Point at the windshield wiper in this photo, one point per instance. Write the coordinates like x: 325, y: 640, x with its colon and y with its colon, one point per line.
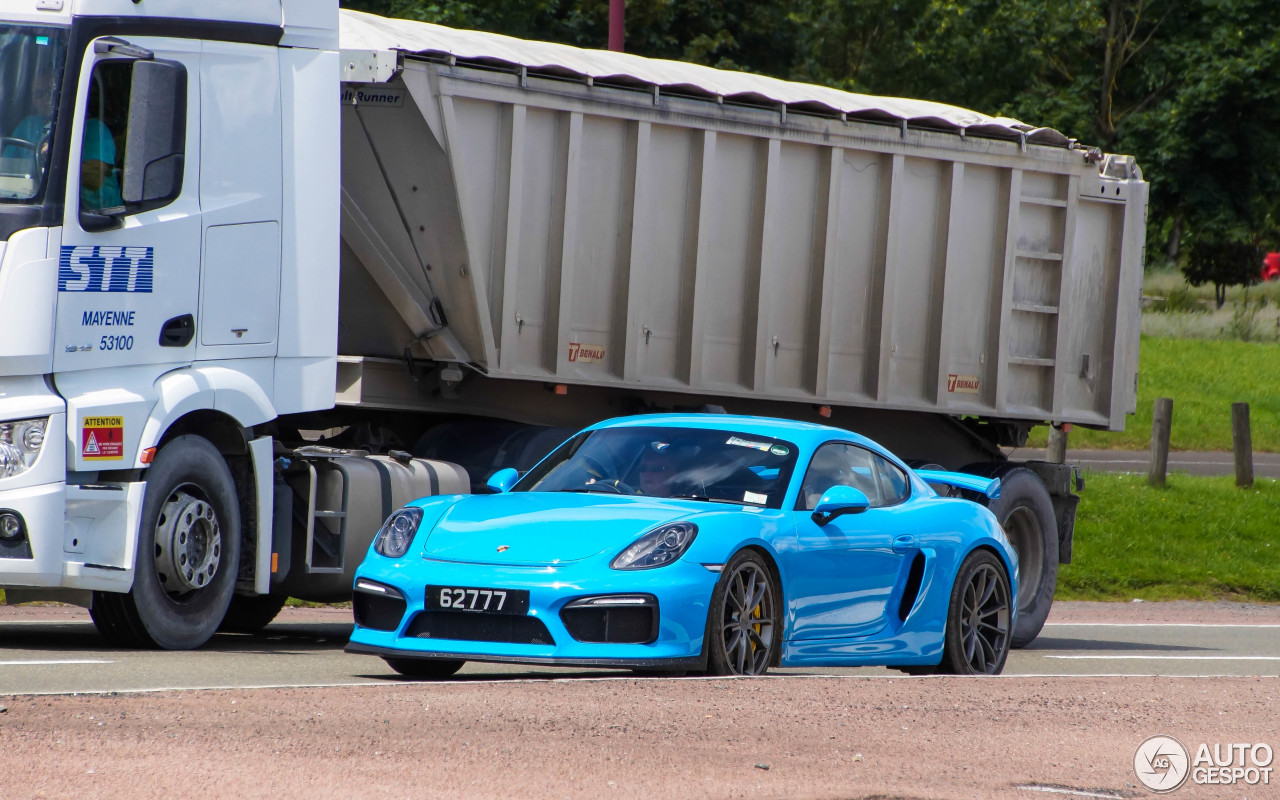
x: 594, y: 488
x: 704, y: 499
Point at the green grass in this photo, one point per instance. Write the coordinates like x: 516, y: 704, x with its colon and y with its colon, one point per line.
x: 1196, y: 539
x: 1204, y: 378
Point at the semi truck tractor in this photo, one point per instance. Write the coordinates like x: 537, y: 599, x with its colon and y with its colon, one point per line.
x: 269, y: 270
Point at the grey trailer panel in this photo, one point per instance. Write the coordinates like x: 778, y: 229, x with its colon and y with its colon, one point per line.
x: 580, y: 234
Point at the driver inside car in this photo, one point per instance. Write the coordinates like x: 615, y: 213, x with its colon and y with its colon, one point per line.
x: 656, y: 469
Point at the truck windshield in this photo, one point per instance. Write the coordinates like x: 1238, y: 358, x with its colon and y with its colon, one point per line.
x: 31, y: 62
x: 725, y: 466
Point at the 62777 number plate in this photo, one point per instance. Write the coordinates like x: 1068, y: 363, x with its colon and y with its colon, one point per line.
x: 479, y: 599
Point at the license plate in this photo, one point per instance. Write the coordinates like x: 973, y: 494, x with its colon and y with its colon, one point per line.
x: 478, y: 599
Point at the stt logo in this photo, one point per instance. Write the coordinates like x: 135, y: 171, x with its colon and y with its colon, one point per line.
x: 97, y: 268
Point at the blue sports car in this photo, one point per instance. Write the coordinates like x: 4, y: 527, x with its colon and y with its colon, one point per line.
x: 703, y: 542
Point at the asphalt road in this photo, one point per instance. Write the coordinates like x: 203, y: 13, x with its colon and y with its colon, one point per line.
x: 1265, y: 465
x: 63, y: 654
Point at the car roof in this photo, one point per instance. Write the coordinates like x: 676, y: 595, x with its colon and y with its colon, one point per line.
x: 808, y: 434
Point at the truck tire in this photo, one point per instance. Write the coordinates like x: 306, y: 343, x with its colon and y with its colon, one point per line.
x: 1025, y: 511
x: 251, y: 614
x: 188, y: 553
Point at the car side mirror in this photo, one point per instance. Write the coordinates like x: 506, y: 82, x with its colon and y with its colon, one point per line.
x: 838, y: 501
x: 155, y: 147
x: 502, y: 480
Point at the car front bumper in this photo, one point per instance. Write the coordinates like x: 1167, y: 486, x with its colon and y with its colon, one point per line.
x: 682, y: 591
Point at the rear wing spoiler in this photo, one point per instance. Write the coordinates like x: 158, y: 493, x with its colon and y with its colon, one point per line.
x: 962, y: 480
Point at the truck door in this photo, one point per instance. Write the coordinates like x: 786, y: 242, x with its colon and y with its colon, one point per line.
x: 241, y: 195
x: 129, y: 272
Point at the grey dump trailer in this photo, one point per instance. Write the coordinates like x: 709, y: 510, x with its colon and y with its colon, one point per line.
x: 535, y: 235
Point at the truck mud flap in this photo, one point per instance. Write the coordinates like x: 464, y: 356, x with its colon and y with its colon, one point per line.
x: 1061, y: 480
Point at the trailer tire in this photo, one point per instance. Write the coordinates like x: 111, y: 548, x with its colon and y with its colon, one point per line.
x: 188, y: 553
x: 251, y: 614
x: 1025, y: 511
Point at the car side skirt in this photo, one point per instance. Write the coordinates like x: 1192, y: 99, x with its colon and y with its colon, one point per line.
x: 691, y: 662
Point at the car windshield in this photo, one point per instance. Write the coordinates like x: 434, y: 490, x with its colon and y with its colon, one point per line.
x: 694, y: 463
x: 31, y: 61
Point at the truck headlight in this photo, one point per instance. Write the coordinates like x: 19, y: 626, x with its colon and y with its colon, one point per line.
x: 20, y: 443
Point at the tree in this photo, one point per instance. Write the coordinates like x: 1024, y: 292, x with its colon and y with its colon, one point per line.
x: 1222, y: 263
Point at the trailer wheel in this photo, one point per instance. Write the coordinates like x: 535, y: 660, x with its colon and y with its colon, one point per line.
x: 251, y: 614
x: 1025, y: 511
x: 188, y: 553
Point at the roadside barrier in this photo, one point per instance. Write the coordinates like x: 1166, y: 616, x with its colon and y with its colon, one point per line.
x: 1241, y: 443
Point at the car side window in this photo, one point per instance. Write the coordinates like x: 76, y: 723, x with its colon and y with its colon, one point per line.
x: 894, y: 487
x: 839, y: 465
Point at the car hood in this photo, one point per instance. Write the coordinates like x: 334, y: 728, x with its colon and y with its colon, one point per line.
x: 546, y: 528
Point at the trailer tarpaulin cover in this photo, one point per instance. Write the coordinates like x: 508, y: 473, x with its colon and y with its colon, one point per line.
x: 362, y: 31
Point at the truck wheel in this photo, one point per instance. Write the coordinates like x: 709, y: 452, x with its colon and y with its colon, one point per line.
x: 251, y: 614
x: 1025, y: 511
x: 188, y: 553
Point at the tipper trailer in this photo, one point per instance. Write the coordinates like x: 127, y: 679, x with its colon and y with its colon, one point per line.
x: 270, y: 270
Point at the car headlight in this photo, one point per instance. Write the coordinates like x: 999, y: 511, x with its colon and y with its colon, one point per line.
x: 396, y: 534
x: 657, y: 547
x: 20, y: 443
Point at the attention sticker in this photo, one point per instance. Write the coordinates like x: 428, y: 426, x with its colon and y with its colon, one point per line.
x: 102, y: 439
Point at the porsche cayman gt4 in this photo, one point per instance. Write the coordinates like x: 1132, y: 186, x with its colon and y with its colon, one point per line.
x: 715, y: 543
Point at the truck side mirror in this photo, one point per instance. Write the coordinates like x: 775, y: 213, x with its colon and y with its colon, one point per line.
x: 155, y: 147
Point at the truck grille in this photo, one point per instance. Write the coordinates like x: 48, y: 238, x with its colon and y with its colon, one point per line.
x: 472, y: 627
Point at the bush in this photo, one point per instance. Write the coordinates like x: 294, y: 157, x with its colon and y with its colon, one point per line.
x: 1180, y: 300
x: 1244, y: 323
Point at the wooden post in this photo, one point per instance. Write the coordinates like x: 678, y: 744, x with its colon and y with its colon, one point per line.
x: 1242, y: 444
x: 617, y: 24
x: 1057, y: 444
x: 1161, y: 423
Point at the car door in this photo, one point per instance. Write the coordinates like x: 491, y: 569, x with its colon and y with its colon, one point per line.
x: 845, y: 572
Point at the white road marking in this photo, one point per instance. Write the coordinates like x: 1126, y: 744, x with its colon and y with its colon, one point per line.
x: 1158, y: 625
x: 1073, y: 792
x: 480, y: 679
x: 1171, y: 658
x: 54, y: 663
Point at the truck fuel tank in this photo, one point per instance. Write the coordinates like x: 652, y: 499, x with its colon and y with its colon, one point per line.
x: 331, y: 502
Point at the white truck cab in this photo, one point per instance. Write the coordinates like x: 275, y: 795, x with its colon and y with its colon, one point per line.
x: 168, y: 281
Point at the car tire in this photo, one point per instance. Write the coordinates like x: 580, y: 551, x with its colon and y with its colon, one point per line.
x: 251, y: 614
x: 428, y: 669
x: 744, y: 622
x: 978, y: 632
x: 1025, y: 512
x: 190, y: 516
